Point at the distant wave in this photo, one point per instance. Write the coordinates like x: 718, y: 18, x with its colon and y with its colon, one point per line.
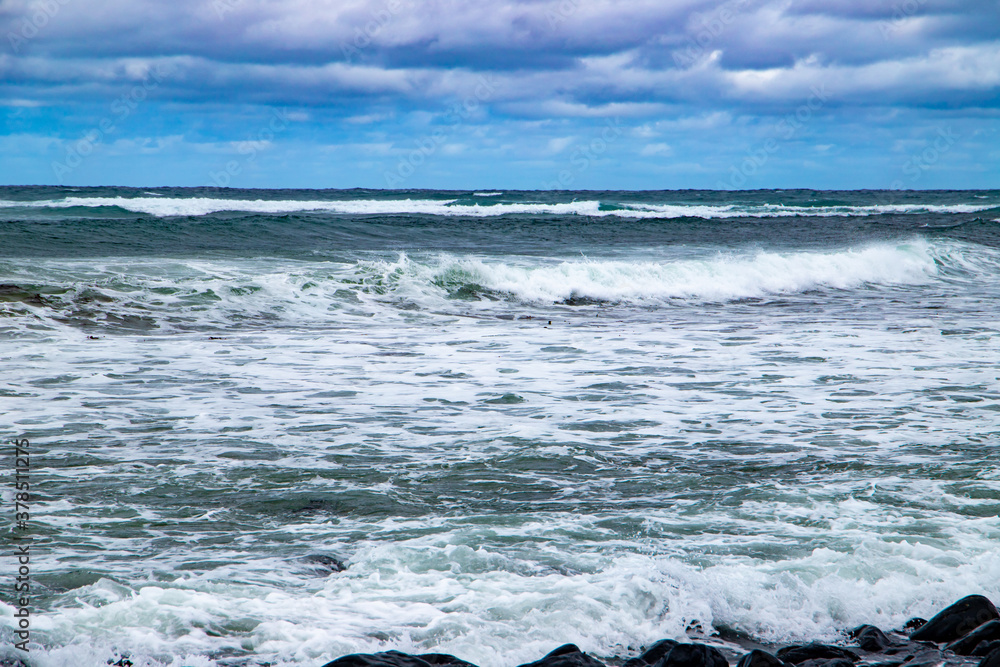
x: 198, y: 206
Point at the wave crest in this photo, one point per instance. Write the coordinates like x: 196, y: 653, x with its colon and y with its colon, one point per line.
x: 723, y: 277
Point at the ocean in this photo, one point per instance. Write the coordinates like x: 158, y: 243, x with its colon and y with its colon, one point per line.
x: 518, y: 419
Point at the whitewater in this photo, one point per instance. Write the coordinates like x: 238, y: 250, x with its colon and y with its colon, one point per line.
x: 516, y: 419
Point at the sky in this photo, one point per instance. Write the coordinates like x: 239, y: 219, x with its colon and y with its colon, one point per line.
x: 525, y: 94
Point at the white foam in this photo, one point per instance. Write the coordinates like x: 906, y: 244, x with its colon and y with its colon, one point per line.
x: 496, y: 609
x: 716, y: 278
x: 197, y: 206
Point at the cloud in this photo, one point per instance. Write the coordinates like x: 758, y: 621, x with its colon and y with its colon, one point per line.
x: 660, y: 149
x: 682, y: 76
x: 551, y: 58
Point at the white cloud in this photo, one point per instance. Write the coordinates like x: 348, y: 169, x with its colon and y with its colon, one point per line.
x: 559, y: 144
x: 662, y: 150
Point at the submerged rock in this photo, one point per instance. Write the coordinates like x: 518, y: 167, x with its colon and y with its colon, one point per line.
x: 567, y: 655
x: 758, y: 658
x: 957, y: 620
x: 987, y: 632
x: 800, y: 653
x: 325, y: 562
x: 693, y: 655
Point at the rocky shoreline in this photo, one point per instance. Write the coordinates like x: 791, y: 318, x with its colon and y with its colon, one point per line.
x: 965, y: 634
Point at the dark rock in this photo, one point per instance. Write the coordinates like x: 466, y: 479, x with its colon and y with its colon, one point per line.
x: 693, y: 655
x: 824, y: 662
x: 992, y: 660
x: 325, y: 562
x: 444, y: 660
x: 396, y: 659
x: 957, y: 620
x: 567, y: 655
x: 927, y: 657
x: 800, y: 653
x: 565, y: 649
x: 986, y: 648
x: 914, y: 624
x: 869, y: 638
x: 652, y: 655
x: 758, y: 658
x: 989, y: 631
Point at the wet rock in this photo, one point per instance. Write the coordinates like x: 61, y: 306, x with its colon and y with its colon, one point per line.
x: 823, y: 662
x: 693, y: 655
x: 914, y: 624
x: 397, y: 659
x: 444, y: 660
x: 758, y: 658
x: 653, y: 654
x: 800, y: 653
x: 957, y: 620
x: 567, y: 655
x: 987, y: 632
x: 926, y: 657
x: 869, y: 638
x: 986, y: 648
x: 991, y: 660
x: 565, y: 649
